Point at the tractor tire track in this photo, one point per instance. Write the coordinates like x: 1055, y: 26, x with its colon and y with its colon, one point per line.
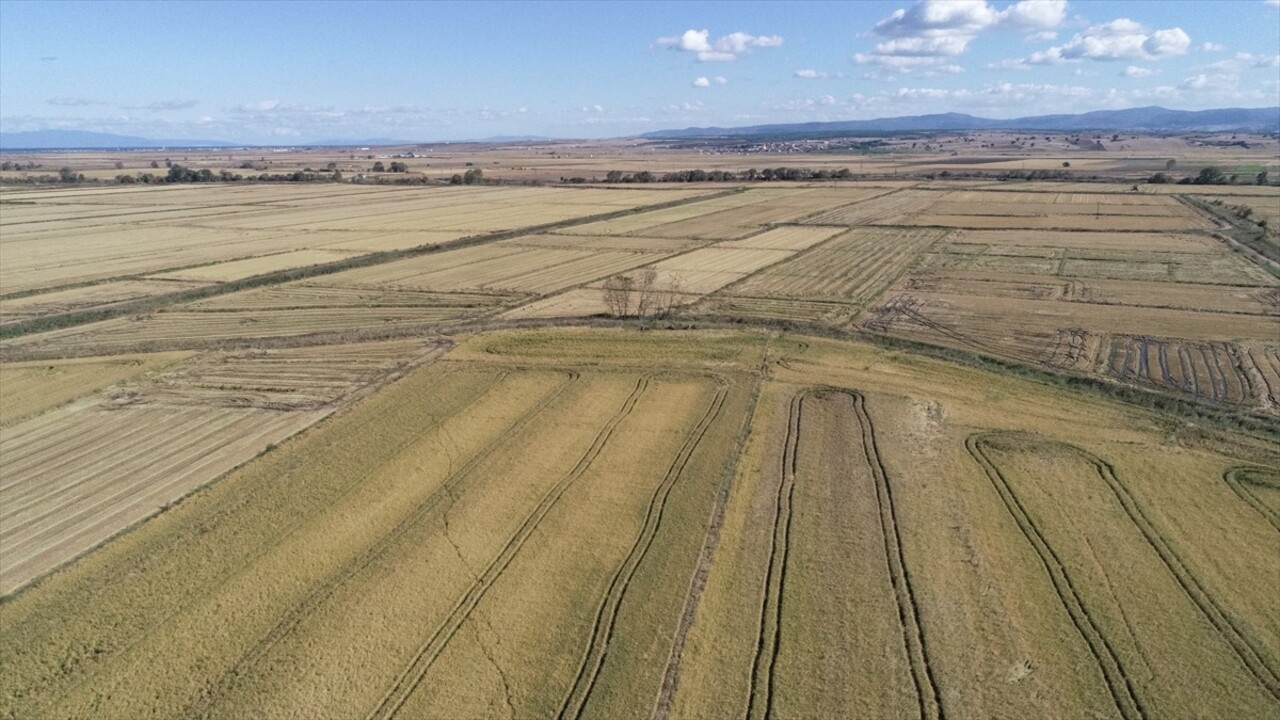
x: 1236, y: 478
x: 926, y: 686
x: 711, y: 541
x: 243, y: 667
x: 760, y: 697
x: 1125, y: 696
x: 606, y: 617
x: 411, y: 677
x: 1249, y: 655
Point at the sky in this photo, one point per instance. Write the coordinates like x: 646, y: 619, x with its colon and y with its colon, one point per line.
x: 285, y: 72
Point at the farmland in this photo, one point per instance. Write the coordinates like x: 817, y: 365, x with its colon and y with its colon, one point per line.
x: 882, y: 448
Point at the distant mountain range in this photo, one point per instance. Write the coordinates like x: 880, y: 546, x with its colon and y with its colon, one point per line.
x: 1144, y: 118
x: 73, y: 139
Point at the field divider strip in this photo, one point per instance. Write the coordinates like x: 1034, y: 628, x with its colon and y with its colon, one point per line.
x: 607, y: 615
x: 411, y: 677
x: 290, y: 622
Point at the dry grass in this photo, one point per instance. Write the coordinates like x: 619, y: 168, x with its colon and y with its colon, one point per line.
x: 519, y: 530
x: 27, y: 388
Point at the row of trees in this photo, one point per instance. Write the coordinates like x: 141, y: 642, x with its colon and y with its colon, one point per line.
x: 699, y: 175
x: 1210, y: 176
x: 641, y: 296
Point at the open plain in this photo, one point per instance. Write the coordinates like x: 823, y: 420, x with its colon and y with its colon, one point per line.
x: 887, y: 446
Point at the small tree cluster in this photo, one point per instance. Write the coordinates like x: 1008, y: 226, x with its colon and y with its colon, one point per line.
x: 650, y: 299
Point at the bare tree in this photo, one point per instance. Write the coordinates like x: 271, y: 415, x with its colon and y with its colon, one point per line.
x: 617, y: 295
x: 646, y: 302
x: 669, y: 295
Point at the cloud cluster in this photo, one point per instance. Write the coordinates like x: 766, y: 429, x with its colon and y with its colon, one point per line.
x: 704, y: 82
x: 1120, y: 39
x: 932, y: 33
x: 726, y: 48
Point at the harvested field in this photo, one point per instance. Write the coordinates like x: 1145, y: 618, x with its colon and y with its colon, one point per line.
x: 304, y: 294
x: 1213, y: 371
x: 107, y: 233
x: 854, y: 268
x: 1088, y: 241
x: 791, y: 237
x: 70, y: 483
x: 537, y: 525
x: 500, y: 268
x: 184, y: 328
x: 83, y: 298
x: 883, y: 208
x: 720, y: 259
x: 1026, y: 330
x: 239, y: 269
x: 28, y: 388
x: 638, y: 223
x: 1100, y: 223
x: 605, y: 242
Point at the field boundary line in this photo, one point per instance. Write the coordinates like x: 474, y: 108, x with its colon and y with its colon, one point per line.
x: 926, y: 686
x: 324, y: 590
x: 1123, y: 693
x: 1235, y: 479
x: 593, y: 659
x: 411, y: 677
x: 769, y: 636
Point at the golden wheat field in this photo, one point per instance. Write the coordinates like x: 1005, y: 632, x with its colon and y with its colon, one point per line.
x: 887, y: 449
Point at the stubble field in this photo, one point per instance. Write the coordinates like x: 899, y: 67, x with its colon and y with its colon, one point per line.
x: 330, y: 453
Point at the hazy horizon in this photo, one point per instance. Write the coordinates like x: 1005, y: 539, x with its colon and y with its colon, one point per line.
x: 302, y: 72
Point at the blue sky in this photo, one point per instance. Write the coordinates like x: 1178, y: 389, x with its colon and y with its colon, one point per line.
x: 297, y: 72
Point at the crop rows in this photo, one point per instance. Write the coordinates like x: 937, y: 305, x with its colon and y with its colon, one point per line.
x: 70, y: 483
x: 855, y: 269
x: 887, y: 209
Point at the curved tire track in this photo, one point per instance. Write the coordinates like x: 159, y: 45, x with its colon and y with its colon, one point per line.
x: 1237, y: 478
x: 1125, y: 696
x: 606, y: 617
x: 411, y: 677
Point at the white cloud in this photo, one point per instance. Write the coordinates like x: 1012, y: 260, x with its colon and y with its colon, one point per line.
x: 1212, y: 47
x: 1133, y: 71
x: 1203, y: 81
x: 726, y: 48
x: 719, y: 80
x: 702, y: 82
x: 809, y: 74
x: 592, y: 109
x: 1120, y: 39
x: 946, y: 27
x: 1042, y: 36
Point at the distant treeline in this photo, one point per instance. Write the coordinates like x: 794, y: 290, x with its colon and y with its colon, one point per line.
x: 751, y: 175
